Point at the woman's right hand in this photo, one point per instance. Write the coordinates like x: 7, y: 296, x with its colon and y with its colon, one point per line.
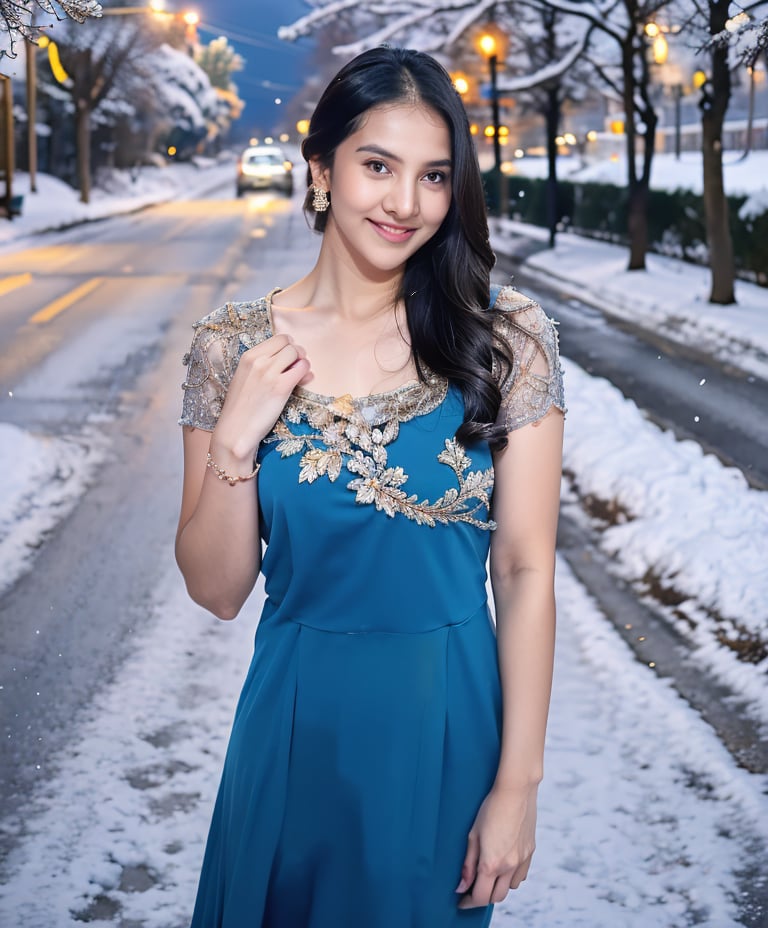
x: 264, y: 379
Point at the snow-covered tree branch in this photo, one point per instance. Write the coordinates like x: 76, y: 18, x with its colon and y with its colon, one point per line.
x: 18, y: 18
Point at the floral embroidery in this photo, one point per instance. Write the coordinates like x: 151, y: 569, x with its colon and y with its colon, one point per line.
x: 361, y: 447
x: 348, y: 433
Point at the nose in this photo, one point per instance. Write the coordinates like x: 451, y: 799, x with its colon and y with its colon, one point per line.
x: 402, y: 198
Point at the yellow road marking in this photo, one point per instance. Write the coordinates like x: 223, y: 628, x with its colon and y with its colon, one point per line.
x: 64, y: 302
x: 13, y: 283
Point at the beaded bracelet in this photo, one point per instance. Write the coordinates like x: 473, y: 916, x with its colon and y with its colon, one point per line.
x: 223, y: 475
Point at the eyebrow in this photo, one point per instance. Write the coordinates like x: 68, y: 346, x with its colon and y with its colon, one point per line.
x: 377, y: 150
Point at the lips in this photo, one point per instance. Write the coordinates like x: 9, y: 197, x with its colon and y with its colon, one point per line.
x: 392, y: 233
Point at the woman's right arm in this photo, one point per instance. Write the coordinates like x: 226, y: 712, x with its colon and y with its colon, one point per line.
x: 218, y: 546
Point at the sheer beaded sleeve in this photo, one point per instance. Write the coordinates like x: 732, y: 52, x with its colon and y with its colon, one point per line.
x: 535, y: 383
x: 219, y: 340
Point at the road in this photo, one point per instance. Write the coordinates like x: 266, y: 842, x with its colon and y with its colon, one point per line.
x: 94, y: 335
x: 94, y: 323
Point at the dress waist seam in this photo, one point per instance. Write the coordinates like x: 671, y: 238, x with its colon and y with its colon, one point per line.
x: 481, y: 610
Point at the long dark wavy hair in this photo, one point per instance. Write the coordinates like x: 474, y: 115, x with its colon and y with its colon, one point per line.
x: 446, y: 284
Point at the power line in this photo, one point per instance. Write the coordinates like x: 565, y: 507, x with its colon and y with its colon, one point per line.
x: 254, y: 40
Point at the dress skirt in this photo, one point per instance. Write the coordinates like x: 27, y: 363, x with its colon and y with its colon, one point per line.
x: 356, y: 766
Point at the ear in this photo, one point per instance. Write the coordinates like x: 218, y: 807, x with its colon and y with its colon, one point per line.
x: 321, y: 175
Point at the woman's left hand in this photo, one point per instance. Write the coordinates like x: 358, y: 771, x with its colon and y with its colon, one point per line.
x: 500, y: 846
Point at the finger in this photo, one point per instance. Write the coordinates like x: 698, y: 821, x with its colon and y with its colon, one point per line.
x: 500, y: 888
x: 295, y: 372
x: 480, y: 894
x: 520, y: 874
x: 287, y: 356
x: 469, y: 867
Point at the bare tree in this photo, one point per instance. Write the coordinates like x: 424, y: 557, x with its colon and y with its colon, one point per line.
x: 94, y: 61
x: 722, y: 35
x: 435, y: 24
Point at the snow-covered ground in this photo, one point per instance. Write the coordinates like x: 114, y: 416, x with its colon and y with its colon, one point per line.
x: 740, y: 175
x: 670, y: 297
x: 644, y: 820
x: 56, y: 205
x: 683, y: 521
x: 44, y: 479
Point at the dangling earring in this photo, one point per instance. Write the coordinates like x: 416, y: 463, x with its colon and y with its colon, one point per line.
x: 320, y: 201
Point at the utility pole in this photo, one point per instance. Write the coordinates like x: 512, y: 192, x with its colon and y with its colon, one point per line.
x: 32, y: 114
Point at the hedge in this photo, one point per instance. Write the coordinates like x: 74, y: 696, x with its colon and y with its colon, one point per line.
x: 675, y: 220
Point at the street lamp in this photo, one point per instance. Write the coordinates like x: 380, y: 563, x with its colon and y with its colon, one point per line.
x: 489, y: 47
x: 488, y: 44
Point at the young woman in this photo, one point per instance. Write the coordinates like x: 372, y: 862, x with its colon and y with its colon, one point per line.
x: 387, y: 747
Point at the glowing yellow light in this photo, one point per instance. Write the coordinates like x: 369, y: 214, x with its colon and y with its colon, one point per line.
x: 569, y: 138
x: 157, y: 5
x: 652, y: 30
x: 487, y: 44
x: 489, y: 132
x: 284, y: 136
x: 460, y: 82
x: 591, y: 136
x: 56, y: 66
x: 617, y: 126
x: 191, y: 18
x: 560, y: 140
x: 651, y: 663
x: 302, y: 126
x: 519, y: 153
x: 268, y: 140
x: 660, y: 49
x: 171, y: 150
x: 699, y: 79
x: 253, y: 141
x: 503, y: 131
x: 474, y: 129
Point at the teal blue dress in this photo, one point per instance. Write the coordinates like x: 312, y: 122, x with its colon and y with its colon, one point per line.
x: 367, y: 732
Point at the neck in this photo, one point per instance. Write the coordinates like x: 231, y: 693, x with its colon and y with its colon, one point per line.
x: 340, y: 285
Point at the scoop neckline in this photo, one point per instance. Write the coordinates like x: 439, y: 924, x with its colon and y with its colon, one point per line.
x: 325, y: 399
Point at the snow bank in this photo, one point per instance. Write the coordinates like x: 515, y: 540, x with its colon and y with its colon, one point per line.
x: 56, y: 205
x: 42, y: 480
x: 667, y: 172
x: 691, y: 525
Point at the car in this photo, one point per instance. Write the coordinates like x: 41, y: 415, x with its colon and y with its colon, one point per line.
x: 264, y: 167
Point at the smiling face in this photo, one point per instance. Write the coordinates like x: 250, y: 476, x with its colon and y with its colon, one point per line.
x: 390, y: 187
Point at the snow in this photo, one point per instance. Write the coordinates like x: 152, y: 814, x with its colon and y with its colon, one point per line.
x: 714, y: 556
x: 56, y: 205
x: 669, y: 297
x: 642, y: 811
x: 43, y: 480
x: 747, y: 176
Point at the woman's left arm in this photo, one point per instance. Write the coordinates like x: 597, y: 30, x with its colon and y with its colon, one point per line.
x: 525, y: 506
